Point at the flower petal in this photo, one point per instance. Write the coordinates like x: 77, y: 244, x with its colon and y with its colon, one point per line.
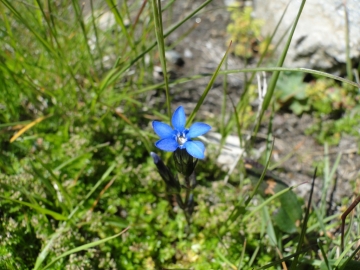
x: 178, y: 119
x: 162, y: 130
x: 198, y: 129
x: 195, y: 148
x: 167, y: 144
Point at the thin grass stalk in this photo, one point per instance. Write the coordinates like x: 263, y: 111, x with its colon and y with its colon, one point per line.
x: 262, y: 56
x: 328, y: 264
x: 222, y: 142
x: 253, y: 256
x: 357, y: 79
x: 84, y: 247
x: 169, y: 4
x: 270, y: 141
x: 135, y: 22
x: 181, y: 38
x: 276, y: 74
x: 187, y: 202
x: 267, y: 222
x: 208, y: 87
x: 80, y: 20
x: 7, y: 26
x: 99, y: 182
x: 267, y: 201
x: 126, y: 11
x: 326, y: 180
x: 52, y: 20
x: 261, y: 177
x: 238, y: 125
x: 287, y: 258
x: 343, y: 266
x: 305, y: 70
x: 45, y: 251
x: 225, y: 260
x: 339, y: 262
x: 157, y: 14
x: 61, y: 193
x: 48, y: 18
x: 304, y: 226
x: 223, y: 104
x: 121, y: 23
x: 241, y: 261
x: 322, y: 226
x: 98, y: 47
x: 344, y: 235
x: 234, y: 71
x: 37, y: 13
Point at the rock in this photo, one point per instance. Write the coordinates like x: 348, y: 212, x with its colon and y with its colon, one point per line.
x: 174, y: 62
x: 174, y: 58
x: 319, y: 41
x: 230, y: 152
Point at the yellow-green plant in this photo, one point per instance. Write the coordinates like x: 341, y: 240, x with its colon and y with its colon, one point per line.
x: 245, y: 33
x: 327, y: 96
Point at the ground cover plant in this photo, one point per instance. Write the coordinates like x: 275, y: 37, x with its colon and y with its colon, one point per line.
x: 93, y: 177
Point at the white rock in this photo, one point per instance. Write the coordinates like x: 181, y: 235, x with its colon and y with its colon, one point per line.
x: 231, y: 151
x: 319, y: 40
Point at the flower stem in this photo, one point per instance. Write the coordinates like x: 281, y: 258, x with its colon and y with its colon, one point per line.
x: 190, y: 183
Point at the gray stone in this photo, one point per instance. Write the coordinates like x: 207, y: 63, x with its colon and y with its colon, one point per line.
x: 230, y: 152
x: 319, y: 41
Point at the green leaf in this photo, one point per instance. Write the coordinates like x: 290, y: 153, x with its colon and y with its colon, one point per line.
x: 290, y: 85
x: 289, y: 215
x: 299, y: 107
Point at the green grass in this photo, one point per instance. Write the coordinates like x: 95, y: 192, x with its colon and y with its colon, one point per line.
x: 78, y: 188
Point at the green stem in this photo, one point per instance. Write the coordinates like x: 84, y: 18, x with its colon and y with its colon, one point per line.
x: 186, y: 206
x: 190, y: 183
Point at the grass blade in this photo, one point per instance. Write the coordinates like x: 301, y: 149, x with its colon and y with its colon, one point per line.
x: 208, y: 87
x: 305, y: 70
x: 328, y: 264
x: 157, y: 13
x: 84, y: 247
x: 260, y: 206
x: 43, y: 254
x: 44, y: 211
x: 120, y: 21
x: 304, y: 225
x: 27, y: 127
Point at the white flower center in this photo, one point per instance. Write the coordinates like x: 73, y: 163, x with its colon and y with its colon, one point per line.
x: 181, y: 140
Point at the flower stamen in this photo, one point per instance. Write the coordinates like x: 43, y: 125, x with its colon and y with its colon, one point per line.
x: 181, y: 140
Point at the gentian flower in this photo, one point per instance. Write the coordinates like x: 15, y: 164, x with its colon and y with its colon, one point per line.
x: 180, y: 137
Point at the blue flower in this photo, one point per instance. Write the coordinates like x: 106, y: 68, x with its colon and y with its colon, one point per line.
x: 180, y: 137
